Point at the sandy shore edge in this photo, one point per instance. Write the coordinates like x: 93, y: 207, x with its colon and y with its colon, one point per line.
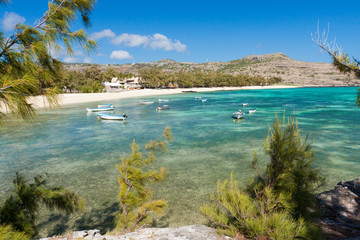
x: 40, y: 102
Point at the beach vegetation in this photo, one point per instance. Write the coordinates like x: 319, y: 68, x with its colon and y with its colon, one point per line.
x: 156, y: 78
x: 20, y: 209
x: 28, y: 53
x: 137, y: 207
x: 280, y: 202
x: 8, y: 233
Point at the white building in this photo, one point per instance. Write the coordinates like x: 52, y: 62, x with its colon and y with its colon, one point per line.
x: 117, y: 85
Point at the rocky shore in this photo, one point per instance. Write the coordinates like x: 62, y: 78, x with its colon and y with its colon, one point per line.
x: 340, y: 221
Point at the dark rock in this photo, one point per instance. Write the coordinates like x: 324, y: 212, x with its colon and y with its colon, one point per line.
x: 341, y: 212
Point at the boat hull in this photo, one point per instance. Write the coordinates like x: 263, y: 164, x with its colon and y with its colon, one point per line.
x: 100, y: 109
x: 146, y: 103
x: 111, y: 117
x: 238, y: 115
x: 163, y: 107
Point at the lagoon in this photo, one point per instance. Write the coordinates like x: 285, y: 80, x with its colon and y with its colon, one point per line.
x: 79, y: 151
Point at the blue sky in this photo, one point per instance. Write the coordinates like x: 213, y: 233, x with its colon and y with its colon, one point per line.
x: 201, y: 31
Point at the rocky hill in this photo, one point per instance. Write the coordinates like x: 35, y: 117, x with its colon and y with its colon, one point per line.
x: 268, y: 65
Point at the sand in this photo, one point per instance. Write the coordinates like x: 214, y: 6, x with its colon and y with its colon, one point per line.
x: 40, y: 102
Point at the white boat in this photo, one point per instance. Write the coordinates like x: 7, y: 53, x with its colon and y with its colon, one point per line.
x: 164, y: 99
x: 204, y: 100
x: 105, y: 105
x: 100, y: 109
x: 163, y: 107
x: 111, y: 117
x: 245, y: 104
x: 238, y: 115
x: 146, y: 102
x: 252, y: 110
x: 198, y: 97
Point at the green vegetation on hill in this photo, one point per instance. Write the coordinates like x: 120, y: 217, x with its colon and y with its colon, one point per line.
x: 155, y: 78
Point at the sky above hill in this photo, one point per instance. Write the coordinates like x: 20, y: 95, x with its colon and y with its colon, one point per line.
x: 201, y: 31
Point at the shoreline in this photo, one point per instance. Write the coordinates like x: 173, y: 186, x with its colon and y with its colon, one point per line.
x: 66, y: 99
x: 39, y: 102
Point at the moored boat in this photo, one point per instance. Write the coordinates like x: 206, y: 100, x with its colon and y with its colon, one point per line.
x: 146, y: 102
x: 105, y: 105
x: 163, y: 107
x: 111, y: 116
x: 198, y: 97
x: 245, y: 104
x: 238, y: 115
x: 164, y: 99
x: 252, y: 110
x: 102, y: 109
x: 204, y: 100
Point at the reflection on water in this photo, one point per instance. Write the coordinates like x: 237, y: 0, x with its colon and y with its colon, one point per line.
x: 80, y: 152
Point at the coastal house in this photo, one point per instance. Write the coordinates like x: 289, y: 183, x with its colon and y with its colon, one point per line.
x: 117, y: 85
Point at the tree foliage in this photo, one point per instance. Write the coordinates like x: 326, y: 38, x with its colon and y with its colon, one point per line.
x: 340, y: 59
x: 20, y: 209
x: 155, y: 78
x: 135, y: 197
x: 279, y: 203
x: 7, y: 233
x: 26, y: 55
x: 266, y: 215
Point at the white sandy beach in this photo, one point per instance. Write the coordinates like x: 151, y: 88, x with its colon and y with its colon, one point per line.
x: 76, y: 98
x: 40, y: 102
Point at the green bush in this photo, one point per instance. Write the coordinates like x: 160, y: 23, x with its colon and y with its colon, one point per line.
x: 278, y: 203
x: 137, y: 207
x: 7, y: 233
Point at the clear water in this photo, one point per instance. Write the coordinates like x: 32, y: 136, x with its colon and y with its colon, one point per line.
x: 80, y: 152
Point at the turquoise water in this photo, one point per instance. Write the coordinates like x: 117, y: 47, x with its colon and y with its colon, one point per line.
x: 80, y: 152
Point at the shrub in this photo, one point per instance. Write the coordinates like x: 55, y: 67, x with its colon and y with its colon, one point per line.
x: 135, y: 196
x: 7, y: 233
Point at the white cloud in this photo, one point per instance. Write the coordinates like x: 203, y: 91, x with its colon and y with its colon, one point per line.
x: 10, y: 19
x: 156, y: 41
x: 70, y: 60
x: 160, y: 41
x: 100, y: 54
x: 131, y: 40
x: 120, y: 54
x: 87, y: 60
x: 104, y: 33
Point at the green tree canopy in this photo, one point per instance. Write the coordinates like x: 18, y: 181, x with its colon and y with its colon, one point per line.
x: 26, y: 54
x: 20, y: 209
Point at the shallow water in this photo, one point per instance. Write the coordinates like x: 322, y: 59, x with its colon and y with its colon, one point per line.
x: 80, y: 152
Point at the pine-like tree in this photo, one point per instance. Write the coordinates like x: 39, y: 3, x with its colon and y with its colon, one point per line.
x: 135, y: 197
x: 27, y: 54
x: 20, y: 209
x: 279, y: 202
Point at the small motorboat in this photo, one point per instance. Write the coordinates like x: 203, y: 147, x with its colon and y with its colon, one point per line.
x: 198, y: 97
x: 105, y: 105
x: 146, y: 102
x: 204, y: 100
x: 164, y: 99
x: 111, y: 116
x: 252, y: 110
x: 163, y: 107
x: 238, y: 115
x: 100, y: 109
x: 245, y: 104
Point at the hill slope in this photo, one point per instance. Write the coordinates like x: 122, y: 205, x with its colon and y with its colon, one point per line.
x: 268, y: 65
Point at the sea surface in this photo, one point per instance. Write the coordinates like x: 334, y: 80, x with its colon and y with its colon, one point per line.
x: 80, y: 152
